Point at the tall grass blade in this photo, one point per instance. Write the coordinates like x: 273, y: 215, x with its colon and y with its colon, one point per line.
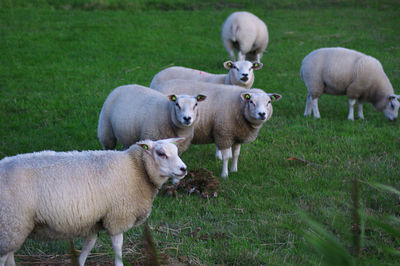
x: 152, y: 257
x: 356, y: 218
x: 333, y: 252
x: 384, y: 187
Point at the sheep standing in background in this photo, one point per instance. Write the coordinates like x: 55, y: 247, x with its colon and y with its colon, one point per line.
x: 246, y: 33
x: 240, y: 74
x: 63, y: 195
x: 132, y: 113
x: 341, y: 71
x: 231, y: 115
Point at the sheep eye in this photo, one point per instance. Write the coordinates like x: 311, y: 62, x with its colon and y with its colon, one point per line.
x: 195, y: 105
x: 251, y: 102
x: 177, y: 105
x: 392, y: 105
x: 162, y: 155
x: 269, y: 102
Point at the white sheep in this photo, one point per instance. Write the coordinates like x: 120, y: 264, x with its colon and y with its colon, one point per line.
x: 240, y: 74
x: 231, y: 115
x: 341, y: 71
x: 245, y: 32
x: 132, y: 112
x: 64, y: 195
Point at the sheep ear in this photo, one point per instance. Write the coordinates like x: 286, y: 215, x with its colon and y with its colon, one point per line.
x: 257, y: 65
x: 172, y: 97
x: 275, y: 96
x: 176, y: 140
x: 228, y: 64
x: 200, y: 97
x: 245, y: 96
x: 147, y: 145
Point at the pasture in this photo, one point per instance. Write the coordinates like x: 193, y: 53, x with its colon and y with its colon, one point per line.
x: 59, y: 61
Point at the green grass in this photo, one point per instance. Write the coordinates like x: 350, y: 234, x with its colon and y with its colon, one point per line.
x: 59, y: 61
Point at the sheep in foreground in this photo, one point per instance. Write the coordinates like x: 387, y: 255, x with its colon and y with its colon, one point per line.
x: 64, y: 195
x: 231, y: 116
x: 245, y: 32
x: 132, y: 113
x: 341, y: 71
x: 240, y: 74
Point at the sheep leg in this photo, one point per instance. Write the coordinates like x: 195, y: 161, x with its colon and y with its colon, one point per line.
x: 7, y: 259
x: 360, y: 111
x: 10, y: 259
x: 315, y: 110
x: 351, y: 109
x: 308, y: 110
x: 117, y: 241
x: 87, y: 247
x: 235, y: 157
x: 3, y: 260
x: 229, y: 47
x: 225, y: 159
x: 218, y: 154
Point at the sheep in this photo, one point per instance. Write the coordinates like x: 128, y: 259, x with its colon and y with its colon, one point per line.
x: 230, y: 117
x: 245, y: 32
x: 341, y: 71
x: 64, y: 195
x: 133, y: 112
x: 240, y: 74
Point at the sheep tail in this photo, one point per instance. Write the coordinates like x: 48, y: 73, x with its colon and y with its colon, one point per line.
x: 235, y: 29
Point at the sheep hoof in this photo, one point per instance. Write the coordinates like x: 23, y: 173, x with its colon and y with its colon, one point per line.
x: 224, y: 175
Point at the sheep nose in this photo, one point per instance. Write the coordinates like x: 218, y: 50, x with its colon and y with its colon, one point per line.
x: 262, y: 115
x: 183, y: 169
x: 245, y: 74
x: 187, y: 118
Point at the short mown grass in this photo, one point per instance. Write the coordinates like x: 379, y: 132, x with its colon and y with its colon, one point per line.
x: 60, y: 59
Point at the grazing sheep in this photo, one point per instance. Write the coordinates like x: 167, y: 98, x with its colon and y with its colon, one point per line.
x: 246, y: 33
x: 64, y: 195
x: 240, y: 74
x: 341, y: 71
x: 132, y: 112
x: 231, y: 116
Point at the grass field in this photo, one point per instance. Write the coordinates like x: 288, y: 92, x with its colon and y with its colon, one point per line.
x: 59, y: 61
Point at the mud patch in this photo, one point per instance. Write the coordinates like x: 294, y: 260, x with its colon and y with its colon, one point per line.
x: 198, y: 182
